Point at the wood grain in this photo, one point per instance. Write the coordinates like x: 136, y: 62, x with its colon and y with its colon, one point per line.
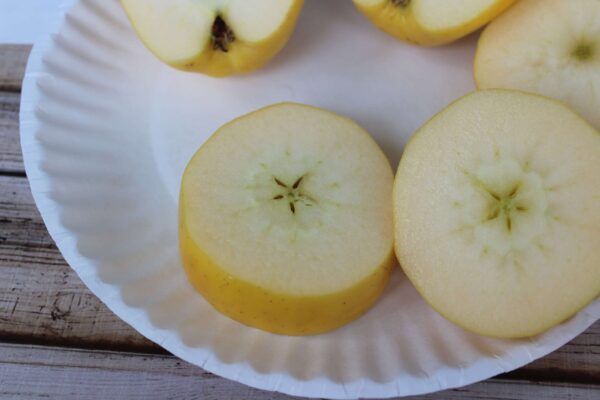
x: 11, y: 160
x: 13, y: 59
x: 30, y: 372
x: 577, y: 361
x: 41, y: 298
x: 33, y: 371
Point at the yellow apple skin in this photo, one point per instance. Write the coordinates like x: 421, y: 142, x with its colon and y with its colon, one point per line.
x: 276, y: 312
x: 402, y: 23
x: 241, y: 57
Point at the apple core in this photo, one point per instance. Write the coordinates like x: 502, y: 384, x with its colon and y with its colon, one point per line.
x: 221, y: 35
x: 584, y: 51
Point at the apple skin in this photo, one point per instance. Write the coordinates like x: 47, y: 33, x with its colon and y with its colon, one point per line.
x: 276, y: 312
x: 404, y: 26
x: 241, y: 57
x: 268, y: 309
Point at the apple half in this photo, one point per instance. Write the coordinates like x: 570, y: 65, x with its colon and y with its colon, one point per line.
x: 286, y: 220
x: 497, y: 213
x: 214, y: 37
x: 549, y: 47
x: 431, y: 22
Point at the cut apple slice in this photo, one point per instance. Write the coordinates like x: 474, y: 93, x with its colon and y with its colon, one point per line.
x: 215, y: 37
x: 286, y: 220
x: 431, y: 22
x: 497, y: 213
x: 550, y: 47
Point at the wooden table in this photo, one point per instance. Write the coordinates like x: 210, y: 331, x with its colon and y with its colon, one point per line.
x: 57, y: 340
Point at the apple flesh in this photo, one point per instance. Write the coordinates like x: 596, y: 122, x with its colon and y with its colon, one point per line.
x: 549, y: 47
x: 214, y: 37
x: 431, y: 22
x: 497, y: 213
x: 286, y: 220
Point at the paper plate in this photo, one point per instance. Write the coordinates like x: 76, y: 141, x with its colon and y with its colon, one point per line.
x: 106, y: 131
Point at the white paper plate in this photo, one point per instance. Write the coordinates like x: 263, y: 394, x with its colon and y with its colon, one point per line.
x: 106, y: 131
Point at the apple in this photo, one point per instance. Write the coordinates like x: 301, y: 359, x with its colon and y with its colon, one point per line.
x: 497, y: 213
x: 214, y: 37
x: 549, y: 47
x: 286, y: 220
x: 431, y: 22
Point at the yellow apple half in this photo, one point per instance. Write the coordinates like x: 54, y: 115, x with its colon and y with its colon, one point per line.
x: 497, y: 213
x: 549, y: 47
x: 431, y: 22
x: 286, y: 220
x: 214, y: 37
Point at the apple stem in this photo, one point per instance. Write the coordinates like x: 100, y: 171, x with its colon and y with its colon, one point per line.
x: 583, y: 52
x: 401, y: 3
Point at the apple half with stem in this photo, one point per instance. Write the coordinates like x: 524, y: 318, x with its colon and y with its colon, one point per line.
x: 431, y: 22
x: 214, y: 37
x: 497, y: 213
x: 286, y: 220
x: 549, y: 47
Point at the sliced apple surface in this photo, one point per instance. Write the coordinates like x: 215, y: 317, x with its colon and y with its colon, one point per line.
x: 550, y: 47
x: 215, y: 37
x: 286, y: 220
x: 497, y: 213
x: 431, y: 22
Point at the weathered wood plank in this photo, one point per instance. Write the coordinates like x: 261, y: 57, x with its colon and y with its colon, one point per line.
x: 13, y: 59
x: 577, y: 361
x: 11, y: 159
x: 32, y: 371
x: 43, y: 301
x: 41, y: 298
